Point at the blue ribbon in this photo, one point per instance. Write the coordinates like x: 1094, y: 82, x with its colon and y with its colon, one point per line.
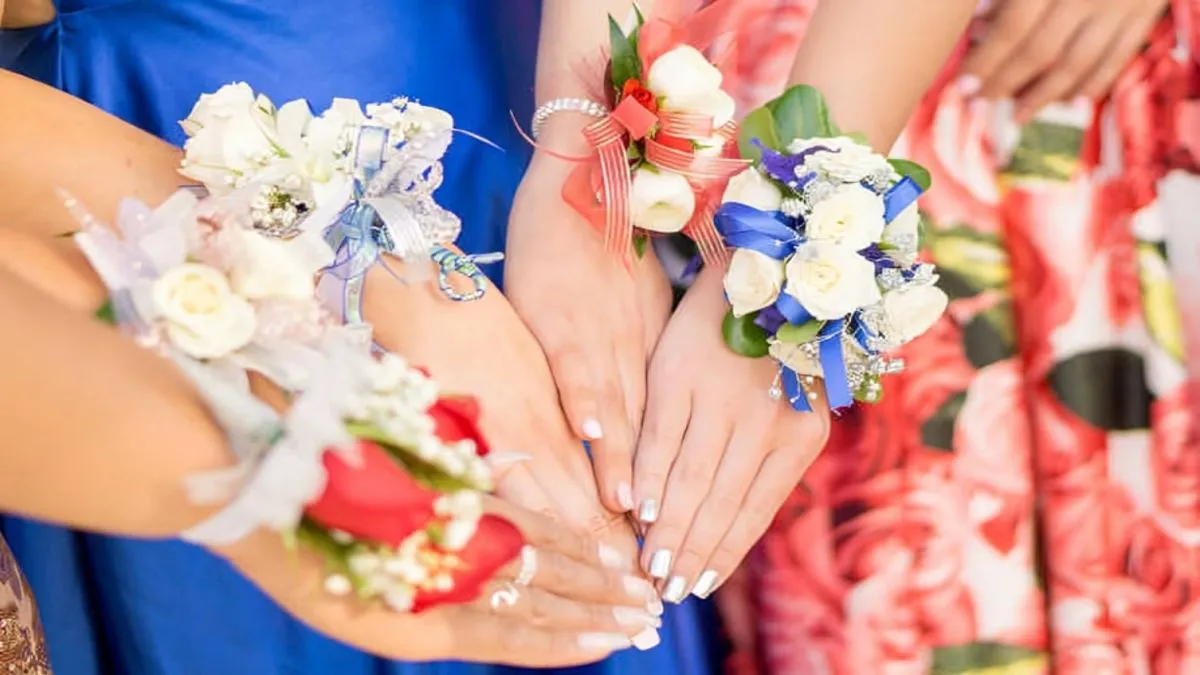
x: 356, y: 237
x: 833, y: 366
x: 901, y: 196
x: 791, y: 309
x: 744, y: 226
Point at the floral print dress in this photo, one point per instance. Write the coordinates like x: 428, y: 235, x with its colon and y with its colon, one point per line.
x: 1026, y: 499
x: 22, y: 645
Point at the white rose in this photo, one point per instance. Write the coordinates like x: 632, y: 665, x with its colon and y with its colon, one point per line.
x: 716, y: 104
x: 846, y: 160
x: 204, y: 318
x: 752, y: 188
x: 851, y: 216
x: 683, y: 73
x: 752, y: 281
x: 267, y: 268
x: 229, y: 100
x: 911, y: 310
x: 831, y: 280
x: 231, y: 139
x: 660, y: 200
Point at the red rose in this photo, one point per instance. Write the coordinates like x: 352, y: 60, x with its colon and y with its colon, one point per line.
x: 495, y: 543
x: 639, y: 93
x: 457, y: 419
x: 374, y: 499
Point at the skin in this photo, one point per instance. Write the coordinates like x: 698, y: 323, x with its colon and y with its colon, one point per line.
x: 715, y: 449
x: 1042, y: 51
x: 25, y: 13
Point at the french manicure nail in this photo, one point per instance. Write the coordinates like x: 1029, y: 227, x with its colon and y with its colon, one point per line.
x: 648, y: 513
x: 705, y: 584
x: 660, y: 563
x: 612, y: 558
x: 969, y: 85
x: 625, y: 497
x: 655, y: 607
x: 592, y: 430
x: 635, y: 618
x: 676, y: 589
x: 646, y: 640
x: 603, y: 642
x: 640, y: 588
x: 501, y: 458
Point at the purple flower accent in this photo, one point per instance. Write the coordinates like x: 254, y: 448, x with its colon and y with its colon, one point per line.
x: 769, y: 319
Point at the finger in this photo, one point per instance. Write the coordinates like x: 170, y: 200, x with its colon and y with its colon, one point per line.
x: 544, y: 609
x: 577, y: 390
x: 1036, y: 53
x: 612, y: 455
x: 483, y: 636
x: 1011, y: 24
x: 631, y: 359
x: 1129, y: 41
x: 545, y: 531
x: 663, y: 427
x: 720, y: 508
x: 778, y: 476
x: 687, y: 485
x: 1082, y: 56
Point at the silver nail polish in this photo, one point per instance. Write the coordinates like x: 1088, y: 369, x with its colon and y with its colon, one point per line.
x: 635, y: 618
x: 705, y: 584
x: 646, y: 640
x: 660, y: 564
x: 648, y: 512
x: 676, y: 590
x: 612, y: 558
x: 603, y: 642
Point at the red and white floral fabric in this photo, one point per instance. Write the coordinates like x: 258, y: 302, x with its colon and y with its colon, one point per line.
x: 1026, y: 499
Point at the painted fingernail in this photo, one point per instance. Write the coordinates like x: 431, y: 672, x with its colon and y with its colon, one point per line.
x: 612, y: 558
x: 648, y: 512
x: 625, y: 497
x: 604, y: 642
x: 676, y: 590
x: 592, y: 430
x: 655, y: 607
x: 502, y: 458
x: 641, y: 589
x: 660, y: 563
x: 969, y: 85
x: 635, y: 618
x: 647, y: 639
x: 705, y: 584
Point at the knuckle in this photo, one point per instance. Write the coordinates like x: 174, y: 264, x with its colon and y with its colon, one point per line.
x: 693, y: 472
x: 539, y: 611
x: 722, y: 505
x: 650, y: 480
x: 515, y: 638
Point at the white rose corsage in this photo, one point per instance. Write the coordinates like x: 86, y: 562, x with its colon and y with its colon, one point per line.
x: 824, y: 276
x: 364, y: 178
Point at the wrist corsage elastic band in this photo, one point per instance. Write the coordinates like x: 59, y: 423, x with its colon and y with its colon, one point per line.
x: 824, y: 276
x: 370, y: 467
x: 663, y: 138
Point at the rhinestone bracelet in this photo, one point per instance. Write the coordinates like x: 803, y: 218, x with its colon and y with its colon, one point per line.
x: 579, y: 105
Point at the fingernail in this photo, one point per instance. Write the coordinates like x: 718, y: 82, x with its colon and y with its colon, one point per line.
x: 635, y: 618
x: 603, y: 642
x: 641, y: 589
x: 969, y: 85
x: 592, y: 430
x: 501, y: 458
x: 625, y: 496
x: 646, y: 640
x: 705, y: 584
x: 660, y: 563
x: 648, y: 513
x: 655, y: 607
x: 612, y: 558
x: 676, y: 590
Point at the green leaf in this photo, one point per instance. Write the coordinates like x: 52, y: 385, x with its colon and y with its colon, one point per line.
x: 641, y: 18
x: 107, y: 314
x: 743, y: 337
x: 424, y: 472
x: 801, y: 112
x: 759, y: 125
x: 918, y: 173
x: 639, y: 244
x: 790, y: 332
x: 625, y: 64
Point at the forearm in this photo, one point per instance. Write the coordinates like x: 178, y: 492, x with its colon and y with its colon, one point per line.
x: 874, y: 59
x: 24, y: 13
x: 51, y: 140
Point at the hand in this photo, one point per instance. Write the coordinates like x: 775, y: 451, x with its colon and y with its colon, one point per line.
x: 596, y: 320
x: 715, y: 449
x: 1041, y: 51
x: 482, y: 348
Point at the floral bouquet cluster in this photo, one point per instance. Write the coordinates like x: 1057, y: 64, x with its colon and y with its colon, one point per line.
x: 362, y: 178
x: 824, y: 276
x: 369, y: 466
x: 664, y: 150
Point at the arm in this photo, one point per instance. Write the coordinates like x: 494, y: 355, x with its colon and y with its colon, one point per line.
x: 874, y: 59
x: 25, y: 13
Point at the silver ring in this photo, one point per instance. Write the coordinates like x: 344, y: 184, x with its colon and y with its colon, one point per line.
x: 506, y: 596
x: 528, y: 566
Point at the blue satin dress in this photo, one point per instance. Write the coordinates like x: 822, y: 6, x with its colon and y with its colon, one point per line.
x: 113, y: 605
